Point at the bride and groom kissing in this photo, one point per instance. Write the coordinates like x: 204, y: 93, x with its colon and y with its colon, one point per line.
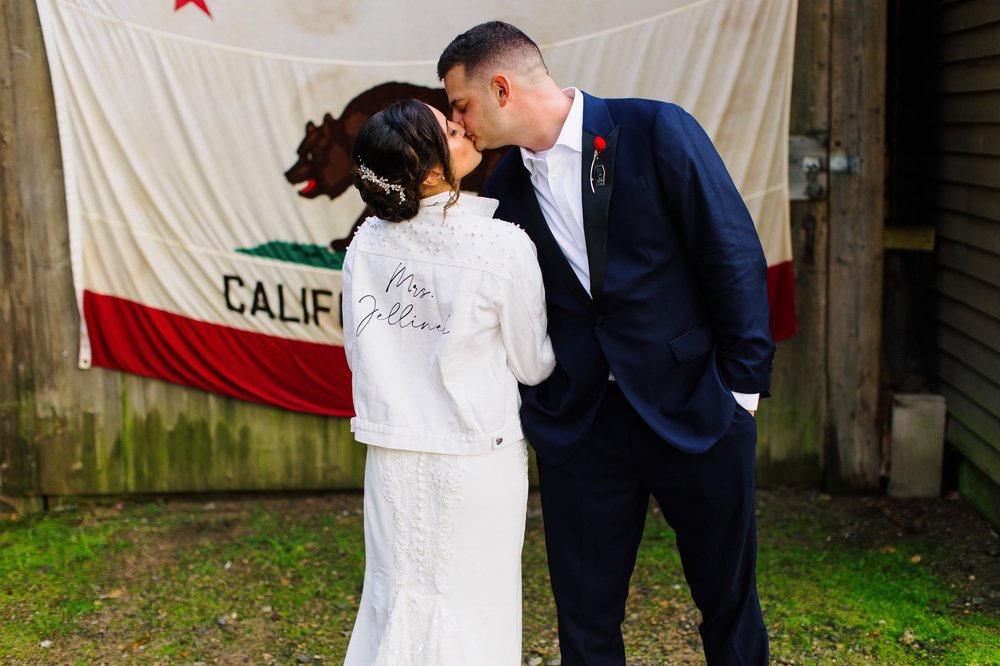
x: 605, y: 300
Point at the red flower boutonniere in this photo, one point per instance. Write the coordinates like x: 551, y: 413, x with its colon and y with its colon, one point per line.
x: 597, y: 170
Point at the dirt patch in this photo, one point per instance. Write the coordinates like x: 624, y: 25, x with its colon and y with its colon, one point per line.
x: 963, y: 548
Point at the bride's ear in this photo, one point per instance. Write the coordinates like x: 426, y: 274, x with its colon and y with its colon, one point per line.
x: 434, y: 177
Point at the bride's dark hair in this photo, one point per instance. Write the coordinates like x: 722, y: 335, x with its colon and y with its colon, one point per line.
x: 393, y: 153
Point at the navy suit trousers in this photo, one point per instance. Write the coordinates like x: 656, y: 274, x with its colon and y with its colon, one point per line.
x: 594, y: 508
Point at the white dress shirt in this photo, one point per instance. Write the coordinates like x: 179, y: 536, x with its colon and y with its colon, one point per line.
x: 555, y: 176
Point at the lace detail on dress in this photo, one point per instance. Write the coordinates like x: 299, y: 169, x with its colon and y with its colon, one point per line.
x: 524, y: 456
x: 423, y: 489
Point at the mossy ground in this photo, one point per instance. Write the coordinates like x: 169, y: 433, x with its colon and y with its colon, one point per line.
x: 251, y: 580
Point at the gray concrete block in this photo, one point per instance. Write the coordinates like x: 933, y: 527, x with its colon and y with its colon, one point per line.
x: 917, y: 445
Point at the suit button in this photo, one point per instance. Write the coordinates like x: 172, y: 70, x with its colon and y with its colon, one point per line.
x: 599, y: 320
x: 499, y: 441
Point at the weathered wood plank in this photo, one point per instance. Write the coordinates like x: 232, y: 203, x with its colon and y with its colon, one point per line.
x: 791, y: 425
x: 962, y: 315
x: 971, y: 261
x: 975, y: 292
x: 971, y: 139
x: 969, y: 170
x: 18, y: 375
x: 857, y: 127
x: 972, y: 44
x: 981, y: 389
x: 67, y: 404
x: 176, y: 439
x: 969, y: 14
x: 978, y: 232
x: 911, y: 237
x: 978, y: 201
x: 972, y: 108
x: 54, y: 313
x: 971, y: 351
x: 810, y: 110
x: 966, y: 77
x: 980, y: 491
x: 975, y: 420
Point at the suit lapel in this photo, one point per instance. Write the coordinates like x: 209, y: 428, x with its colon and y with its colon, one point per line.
x: 523, y: 199
x: 598, y: 173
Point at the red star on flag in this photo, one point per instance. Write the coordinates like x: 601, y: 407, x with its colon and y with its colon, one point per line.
x: 200, y: 4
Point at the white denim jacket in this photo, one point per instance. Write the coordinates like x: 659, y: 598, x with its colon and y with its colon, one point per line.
x: 443, y: 315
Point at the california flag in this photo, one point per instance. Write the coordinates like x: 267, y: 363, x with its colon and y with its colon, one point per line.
x: 206, y: 151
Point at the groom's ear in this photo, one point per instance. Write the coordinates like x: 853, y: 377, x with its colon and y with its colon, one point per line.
x: 501, y: 89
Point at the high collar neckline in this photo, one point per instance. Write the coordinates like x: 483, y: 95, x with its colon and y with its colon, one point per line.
x: 467, y: 203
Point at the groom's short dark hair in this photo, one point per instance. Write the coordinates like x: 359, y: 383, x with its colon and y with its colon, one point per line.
x: 493, y: 43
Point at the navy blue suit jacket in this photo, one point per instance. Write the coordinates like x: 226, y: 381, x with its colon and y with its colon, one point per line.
x: 678, y: 307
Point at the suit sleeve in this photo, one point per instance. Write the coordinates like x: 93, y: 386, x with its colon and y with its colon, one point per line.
x: 721, y: 244
x: 523, y: 322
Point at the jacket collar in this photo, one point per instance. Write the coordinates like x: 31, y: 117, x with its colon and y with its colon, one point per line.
x: 467, y: 204
x: 596, y: 117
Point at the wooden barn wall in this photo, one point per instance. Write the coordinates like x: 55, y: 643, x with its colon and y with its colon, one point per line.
x: 966, y: 214
x: 821, y: 427
x: 792, y: 424
x: 64, y: 431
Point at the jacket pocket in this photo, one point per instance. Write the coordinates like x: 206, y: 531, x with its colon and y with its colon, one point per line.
x: 691, y: 344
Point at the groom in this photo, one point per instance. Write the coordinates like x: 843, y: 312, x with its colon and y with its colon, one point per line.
x: 657, y: 302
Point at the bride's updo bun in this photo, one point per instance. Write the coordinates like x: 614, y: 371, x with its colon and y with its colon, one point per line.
x: 393, y: 153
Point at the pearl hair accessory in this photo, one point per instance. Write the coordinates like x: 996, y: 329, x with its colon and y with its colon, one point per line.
x: 371, y: 177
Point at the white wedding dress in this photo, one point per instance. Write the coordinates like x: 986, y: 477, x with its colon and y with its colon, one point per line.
x: 443, y: 538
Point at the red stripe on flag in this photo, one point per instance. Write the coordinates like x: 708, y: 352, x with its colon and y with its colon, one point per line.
x: 781, y: 296
x: 304, y: 376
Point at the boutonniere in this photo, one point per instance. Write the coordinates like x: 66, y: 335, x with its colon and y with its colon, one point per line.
x: 597, y: 170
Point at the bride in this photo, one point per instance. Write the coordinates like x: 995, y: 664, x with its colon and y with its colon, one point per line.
x: 444, y: 314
